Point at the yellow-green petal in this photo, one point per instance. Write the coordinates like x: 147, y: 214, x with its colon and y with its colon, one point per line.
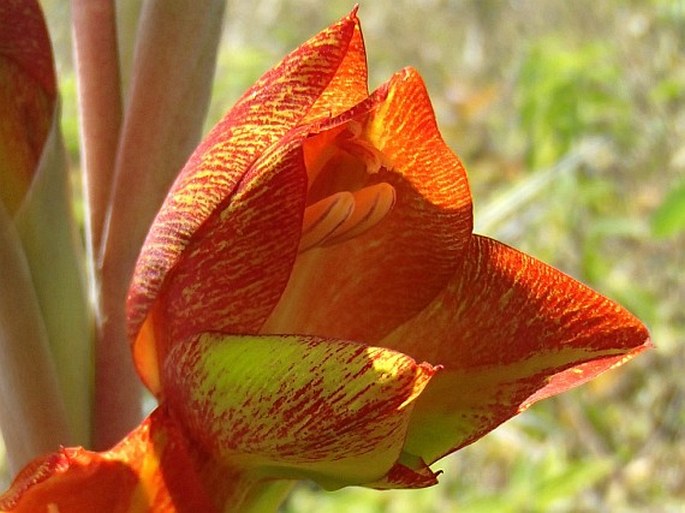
x: 296, y: 407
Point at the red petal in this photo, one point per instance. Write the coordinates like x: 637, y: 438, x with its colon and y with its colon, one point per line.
x: 365, y: 287
x: 24, y: 39
x: 509, y: 330
x: 232, y: 162
x: 27, y: 96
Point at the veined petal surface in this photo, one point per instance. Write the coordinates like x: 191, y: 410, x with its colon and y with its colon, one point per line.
x: 227, y: 162
x: 509, y: 330
x: 349, y: 85
x: 295, y: 407
x: 237, y: 264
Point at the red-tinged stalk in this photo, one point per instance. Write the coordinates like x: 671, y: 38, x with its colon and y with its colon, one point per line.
x: 100, y: 105
x: 176, y: 45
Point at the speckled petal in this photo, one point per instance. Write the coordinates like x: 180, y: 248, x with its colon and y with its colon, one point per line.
x: 236, y: 156
x: 509, y: 330
x: 409, y: 472
x: 236, y: 264
x: 295, y: 407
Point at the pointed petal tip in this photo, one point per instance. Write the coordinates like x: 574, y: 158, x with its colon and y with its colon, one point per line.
x: 410, y: 472
x: 582, y: 373
x: 510, y: 331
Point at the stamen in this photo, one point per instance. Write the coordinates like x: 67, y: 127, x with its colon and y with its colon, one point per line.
x: 371, y: 156
x: 371, y: 205
x: 342, y: 160
x: 324, y: 217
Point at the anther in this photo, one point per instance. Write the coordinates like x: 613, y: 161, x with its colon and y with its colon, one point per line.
x: 324, y: 217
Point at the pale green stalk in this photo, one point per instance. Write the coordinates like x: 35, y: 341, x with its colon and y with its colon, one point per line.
x: 54, y: 252
x: 34, y: 419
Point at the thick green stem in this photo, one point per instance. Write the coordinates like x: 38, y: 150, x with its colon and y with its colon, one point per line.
x: 265, y: 496
x: 54, y: 253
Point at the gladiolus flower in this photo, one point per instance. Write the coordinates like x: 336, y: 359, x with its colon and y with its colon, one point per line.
x: 311, y: 302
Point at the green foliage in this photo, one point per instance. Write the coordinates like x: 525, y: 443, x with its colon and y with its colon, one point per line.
x: 566, y: 93
x: 669, y: 218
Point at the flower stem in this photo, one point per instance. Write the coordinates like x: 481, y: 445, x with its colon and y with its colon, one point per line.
x: 265, y: 497
x: 100, y: 109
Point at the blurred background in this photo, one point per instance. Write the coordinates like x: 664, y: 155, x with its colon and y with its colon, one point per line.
x: 570, y: 118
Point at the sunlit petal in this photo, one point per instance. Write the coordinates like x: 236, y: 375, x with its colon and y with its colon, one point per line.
x: 329, y: 410
x: 509, y: 330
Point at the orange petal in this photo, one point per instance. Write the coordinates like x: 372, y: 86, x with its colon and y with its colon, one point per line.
x: 295, y: 407
x: 195, y: 216
x: 381, y: 278
x: 509, y: 330
x: 349, y: 85
x: 153, y: 470
x: 70, y: 481
x: 27, y: 96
